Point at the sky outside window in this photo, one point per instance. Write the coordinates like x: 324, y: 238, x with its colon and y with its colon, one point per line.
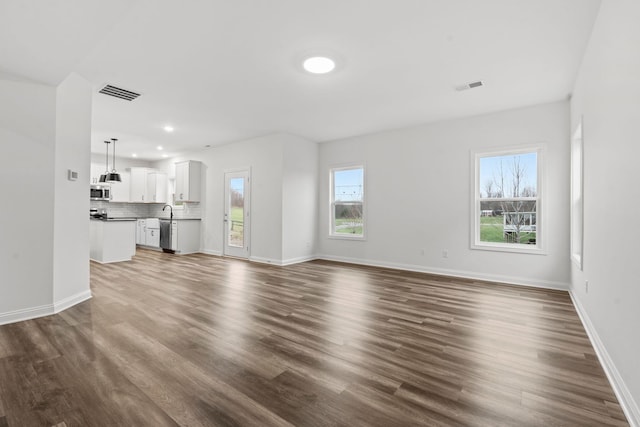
x: 348, y: 185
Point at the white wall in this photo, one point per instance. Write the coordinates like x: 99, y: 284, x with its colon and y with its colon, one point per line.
x: 71, y: 204
x: 299, y: 199
x: 607, y: 95
x: 27, y: 139
x: 417, y: 183
x: 44, y: 238
x: 264, y: 157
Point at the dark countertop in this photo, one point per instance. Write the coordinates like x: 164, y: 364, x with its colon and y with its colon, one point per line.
x: 114, y: 219
x: 133, y: 218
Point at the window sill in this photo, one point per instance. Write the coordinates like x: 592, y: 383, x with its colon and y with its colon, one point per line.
x: 346, y: 237
x: 523, y: 249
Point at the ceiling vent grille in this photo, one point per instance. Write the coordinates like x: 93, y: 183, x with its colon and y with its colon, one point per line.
x: 119, y: 93
x: 470, y: 85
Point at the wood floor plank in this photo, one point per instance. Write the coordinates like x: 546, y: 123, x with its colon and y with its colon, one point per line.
x: 201, y: 340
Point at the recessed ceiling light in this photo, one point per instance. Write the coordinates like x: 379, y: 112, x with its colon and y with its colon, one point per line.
x: 319, y: 64
x: 168, y: 128
x: 165, y: 155
x: 134, y: 155
x: 159, y: 147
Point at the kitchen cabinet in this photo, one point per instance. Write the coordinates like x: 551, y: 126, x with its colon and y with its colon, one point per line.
x: 148, y: 186
x: 152, y: 232
x: 138, y: 185
x: 157, y: 184
x: 141, y: 232
x: 120, y: 191
x: 188, y: 179
x: 152, y: 237
x: 185, y: 235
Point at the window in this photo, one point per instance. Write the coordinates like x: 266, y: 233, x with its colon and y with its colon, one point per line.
x: 507, y: 200
x: 576, y: 198
x: 347, y: 202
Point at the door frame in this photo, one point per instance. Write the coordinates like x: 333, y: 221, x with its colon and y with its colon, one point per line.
x: 245, y: 251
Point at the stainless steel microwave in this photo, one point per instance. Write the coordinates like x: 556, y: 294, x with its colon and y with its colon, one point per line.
x: 100, y: 192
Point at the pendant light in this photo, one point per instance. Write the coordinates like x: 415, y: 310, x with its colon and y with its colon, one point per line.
x: 114, y: 176
x: 103, y: 177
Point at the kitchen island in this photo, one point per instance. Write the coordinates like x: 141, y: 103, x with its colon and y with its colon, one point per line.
x: 112, y: 239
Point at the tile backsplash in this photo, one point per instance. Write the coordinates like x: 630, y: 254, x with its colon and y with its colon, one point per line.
x: 147, y: 210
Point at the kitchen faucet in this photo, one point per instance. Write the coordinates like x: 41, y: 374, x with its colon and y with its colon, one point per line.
x: 170, y: 209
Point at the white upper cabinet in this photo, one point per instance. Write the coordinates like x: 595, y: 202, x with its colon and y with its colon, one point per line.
x: 148, y: 186
x: 120, y: 191
x: 139, y: 185
x: 157, y: 183
x: 188, y: 177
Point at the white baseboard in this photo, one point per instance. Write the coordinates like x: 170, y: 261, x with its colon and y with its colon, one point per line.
x: 298, y: 260
x: 65, y: 303
x: 263, y: 260
x: 498, y: 278
x: 112, y: 261
x: 43, y: 310
x: 26, y: 314
x: 211, y: 252
x: 284, y: 262
x: 513, y: 280
x: 628, y: 404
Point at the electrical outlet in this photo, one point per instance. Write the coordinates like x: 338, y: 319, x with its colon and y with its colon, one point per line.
x: 445, y: 253
x: 586, y: 286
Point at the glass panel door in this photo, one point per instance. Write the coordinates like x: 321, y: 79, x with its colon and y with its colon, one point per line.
x: 236, y: 215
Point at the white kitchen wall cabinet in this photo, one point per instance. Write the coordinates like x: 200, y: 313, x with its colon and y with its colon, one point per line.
x: 148, y: 186
x: 188, y: 178
x: 121, y: 191
x: 139, y: 185
x: 157, y: 183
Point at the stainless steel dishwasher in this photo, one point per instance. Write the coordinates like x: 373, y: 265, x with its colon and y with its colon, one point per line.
x: 165, y: 236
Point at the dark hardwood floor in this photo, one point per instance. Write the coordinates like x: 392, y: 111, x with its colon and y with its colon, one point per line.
x: 198, y: 340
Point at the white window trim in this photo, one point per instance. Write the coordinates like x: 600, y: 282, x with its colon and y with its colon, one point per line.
x: 541, y: 233
x: 340, y: 167
x: 577, y: 188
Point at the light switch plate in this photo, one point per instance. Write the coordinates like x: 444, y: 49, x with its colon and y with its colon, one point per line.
x: 72, y: 175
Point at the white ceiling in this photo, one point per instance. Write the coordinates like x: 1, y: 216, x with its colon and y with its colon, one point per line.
x: 221, y: 71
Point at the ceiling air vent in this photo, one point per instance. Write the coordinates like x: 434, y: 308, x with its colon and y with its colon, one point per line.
x: 470, y: 85
x: 119, y: 93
